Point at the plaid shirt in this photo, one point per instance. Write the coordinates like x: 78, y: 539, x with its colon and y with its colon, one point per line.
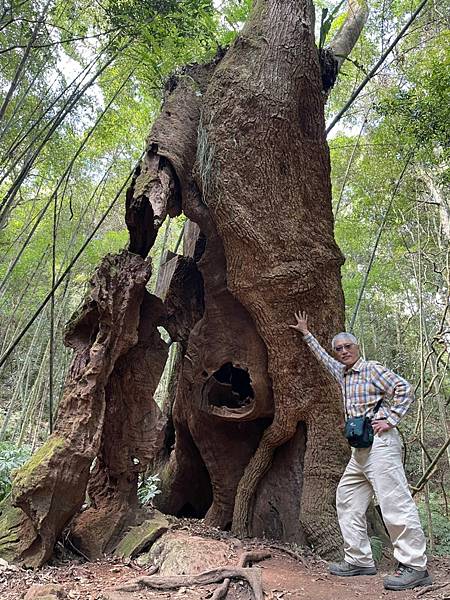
x: 364, y: 384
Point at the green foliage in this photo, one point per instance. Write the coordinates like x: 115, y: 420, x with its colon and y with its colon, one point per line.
x: 419, y: 110
x: 149, y: 488
x: 376, y: 545
x: 11, y: 457
x: 326, y: 21
x: 161, y: 35
x: 441, y: 523
x: 236, y: 11
x: 234, y: 15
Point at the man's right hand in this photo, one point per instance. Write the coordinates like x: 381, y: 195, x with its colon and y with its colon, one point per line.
x: 302, y: 322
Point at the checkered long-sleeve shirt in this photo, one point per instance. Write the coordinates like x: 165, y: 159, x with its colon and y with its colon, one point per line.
x: 364, y: 384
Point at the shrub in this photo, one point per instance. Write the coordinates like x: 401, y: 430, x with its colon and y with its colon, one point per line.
x: 11, y: 457
x: 149, y: 488
x: 441, y: 523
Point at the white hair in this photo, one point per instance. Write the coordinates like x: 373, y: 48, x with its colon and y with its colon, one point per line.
x: 346, y: 337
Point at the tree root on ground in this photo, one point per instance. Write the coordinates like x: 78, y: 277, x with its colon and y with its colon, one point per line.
x: 245, y: 559
x: 224, y: 574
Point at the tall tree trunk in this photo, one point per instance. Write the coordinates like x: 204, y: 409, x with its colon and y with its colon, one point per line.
x: 259, y: 189
x: 267, y: 186
x: 240, y: 148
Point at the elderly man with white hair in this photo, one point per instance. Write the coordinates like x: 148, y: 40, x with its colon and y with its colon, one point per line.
x: 370, y: 390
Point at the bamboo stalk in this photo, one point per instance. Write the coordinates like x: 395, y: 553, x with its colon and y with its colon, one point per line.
x: 349, y: 165
x: 17, y: 340
x: 8, y: 199
x: 66, y: 173
x: 377, y: 241
x: 23, y: 61
x: 422, y: 380
x: 24, y: 370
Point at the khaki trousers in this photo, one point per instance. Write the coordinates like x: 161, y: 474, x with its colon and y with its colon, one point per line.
x: 378, y: 470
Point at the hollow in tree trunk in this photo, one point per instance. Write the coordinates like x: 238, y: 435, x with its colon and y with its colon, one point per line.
x: 252, y: 438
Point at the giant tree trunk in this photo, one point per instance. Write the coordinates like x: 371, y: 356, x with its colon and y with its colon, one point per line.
x: 252, y: 437
x: 260, y: 191
x: 267, y: 186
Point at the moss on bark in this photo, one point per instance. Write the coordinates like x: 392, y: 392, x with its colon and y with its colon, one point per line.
x: 29, y: 474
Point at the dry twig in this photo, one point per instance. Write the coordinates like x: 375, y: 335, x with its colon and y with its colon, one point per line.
x: 433, y: 588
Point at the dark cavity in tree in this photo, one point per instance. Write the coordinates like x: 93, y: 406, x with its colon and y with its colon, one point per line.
x: 328, y: 68
x: 229, y: 387
x: 189, y: 512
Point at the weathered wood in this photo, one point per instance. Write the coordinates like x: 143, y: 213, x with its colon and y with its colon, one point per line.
x: 169, y: 262
x: 150, y: 198
x: 157, y: 582
x: 133, y: 432
x: 256, y: 181
x: 180, y: 286
x: 191, y: 241
x: 264, y: 176
x: 50, y: 489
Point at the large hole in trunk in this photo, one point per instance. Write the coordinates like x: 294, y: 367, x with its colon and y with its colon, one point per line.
x: 189, y: 512
x: 229, y: 387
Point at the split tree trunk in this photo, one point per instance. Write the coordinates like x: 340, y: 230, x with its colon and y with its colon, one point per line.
x: 240, y: 148
x: 267, y: 186
x: 132, y: 432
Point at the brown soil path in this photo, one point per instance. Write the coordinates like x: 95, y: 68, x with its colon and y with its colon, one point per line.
x: 284, y: 578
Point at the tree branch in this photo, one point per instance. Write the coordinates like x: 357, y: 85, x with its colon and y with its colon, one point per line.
x: 431, y: 467
x: 375, y: 68
x: 347, y: 36
x: 59, y: 42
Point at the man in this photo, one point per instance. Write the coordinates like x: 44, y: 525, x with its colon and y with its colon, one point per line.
x: 377, y: 469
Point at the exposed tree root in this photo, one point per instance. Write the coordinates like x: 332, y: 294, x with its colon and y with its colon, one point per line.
x: 245, y: 559
x: 222, y: 590
x: 224, y: 574
x: 159, y: 582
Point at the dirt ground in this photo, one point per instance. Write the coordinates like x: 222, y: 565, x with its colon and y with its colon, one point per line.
x: 284, y: 578
x: 291, y: 573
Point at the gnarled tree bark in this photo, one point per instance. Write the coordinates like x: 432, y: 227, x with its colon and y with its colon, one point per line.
x: 50, y: 489
x: 240, y: 149
x: 132, y: 432
x: 266, y: 184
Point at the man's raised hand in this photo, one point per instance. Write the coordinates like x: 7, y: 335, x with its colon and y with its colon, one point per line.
x: 302, y: 322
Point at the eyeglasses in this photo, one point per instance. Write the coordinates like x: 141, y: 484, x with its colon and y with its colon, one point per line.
x: 343, y: 347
